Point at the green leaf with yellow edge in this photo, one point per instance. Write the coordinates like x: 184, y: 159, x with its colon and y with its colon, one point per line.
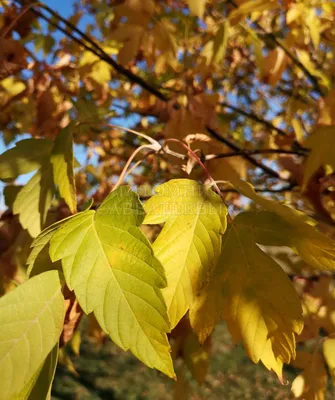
x: 34, y: 199
x: 197, y: 7
x: 256, y: 298
x: 31, y: 321
x: 189, y: 244
x: 270, y: 229
x: 62, y: 161
x: 328, y: 348
x: 110, y: 265
x: 25, y: 157
x: 322, y: 145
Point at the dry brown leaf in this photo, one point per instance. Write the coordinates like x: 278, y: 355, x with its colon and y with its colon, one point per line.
x: 73, y: 317
x: 12, y: 57
x: 274, y: 66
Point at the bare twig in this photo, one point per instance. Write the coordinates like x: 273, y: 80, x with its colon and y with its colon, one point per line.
x: 236, y: 148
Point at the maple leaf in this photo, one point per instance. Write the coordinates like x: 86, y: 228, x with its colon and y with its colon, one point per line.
x: 256, y: 298
x: 39, y: 386
x: 322, y: 145
x: 268, y: 228
x: 31, y: 321
x: 63, y: 164
x: 190, y: 242
x: 312, y: 383
x: 25, y: 157
x: 197, y: 7
x: 34, y: 199
x: 110, y: 265
x: 328, y: 348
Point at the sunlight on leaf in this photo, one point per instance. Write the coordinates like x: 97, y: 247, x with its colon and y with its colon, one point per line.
x: 63, y: 164
x: 255, y: 297
x: 190, y: 242
x: 31, y: 321
x: 110, y: 265
x: 34, y: 199
x: 25, y: 157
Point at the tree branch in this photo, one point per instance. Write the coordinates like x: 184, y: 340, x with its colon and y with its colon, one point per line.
x: 273, y: 38
x: 96, y: 49
x: 288, y: 188
x: 236, y: 148
x: 254, y: 152
x: 255, y: 118
x: 99, y: 52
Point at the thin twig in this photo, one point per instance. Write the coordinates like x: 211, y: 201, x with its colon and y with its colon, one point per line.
x: 96, y: 49
x: 236, y: 148
x: 254, y: 152
x: 255, y: 118
x: 136, y: 79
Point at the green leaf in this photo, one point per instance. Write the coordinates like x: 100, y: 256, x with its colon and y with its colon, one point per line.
x: 255, y: 297
x: 25, y: 157
x: 197, y: 7
x: 31, y: 321
x: 322, y: 145
x: 189, y: 244
x: 63, y: 164
x: 111, y: 266
x: 269, y: 229
x: 42, y: 240
x: 39, y: 387
x: 34, y: 199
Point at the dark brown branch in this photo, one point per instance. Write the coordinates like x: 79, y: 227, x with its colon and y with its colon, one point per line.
x: 234, y: 147
x: 255, y: 118
x: 254, y: 152
x: 97, y: 50
x: 288, y: 188
x: 275, y: 41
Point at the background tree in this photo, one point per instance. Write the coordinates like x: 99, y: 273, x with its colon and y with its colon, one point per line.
x: 148, y: 92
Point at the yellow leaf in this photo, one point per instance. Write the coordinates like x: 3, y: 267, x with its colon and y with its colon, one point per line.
x: 256, y: 298
x: 131, y: 36
x: 322, y: 145
x: 190, y: 242
x: 314, y: 26
x: 62, y: 161
x: 294, y: 12
x: 312, y: 383
x: 220, y: 42
x: 12, y: 86
x: 274, y: 66
x: 306, y: 60
x: 246, y: 189
x: 270, y: 229
x: 197, y: 7
x: 329, y: 354
x: 251, y: 6
x: 298, y: 130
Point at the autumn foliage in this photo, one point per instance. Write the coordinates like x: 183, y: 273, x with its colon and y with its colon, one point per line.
x: 167, y: 165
